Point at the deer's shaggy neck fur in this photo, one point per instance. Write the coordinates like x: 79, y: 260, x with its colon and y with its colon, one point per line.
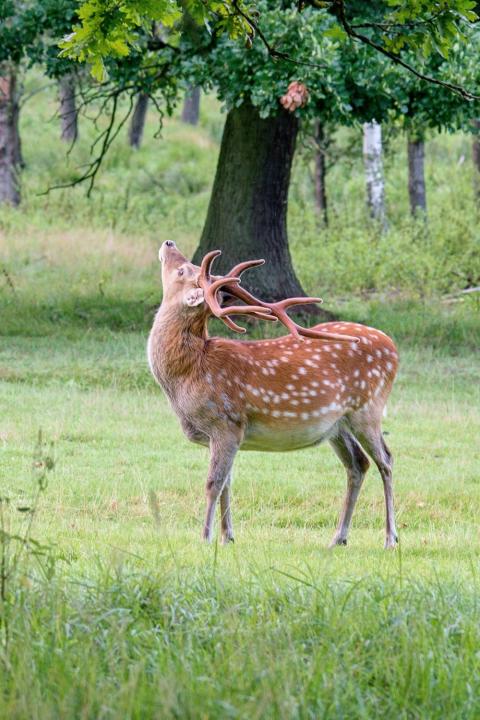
x: 177, y: 344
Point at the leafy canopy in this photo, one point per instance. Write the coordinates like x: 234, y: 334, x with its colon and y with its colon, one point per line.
x: 110, y: 28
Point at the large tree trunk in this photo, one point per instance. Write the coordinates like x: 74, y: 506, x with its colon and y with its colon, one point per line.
x: 416, y: 174
x: 320, y: 173
x: 137, y: 124
x: 191, y: 106
x: 375, y: 183
x: 68, y: 109
x: 247, y: 215
x: 476, y: 161
x: 9, y: 138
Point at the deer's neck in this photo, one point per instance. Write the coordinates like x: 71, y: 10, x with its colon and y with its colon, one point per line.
x: 176, y: 346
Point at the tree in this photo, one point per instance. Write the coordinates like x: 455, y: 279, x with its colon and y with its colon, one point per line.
x: 375, y: 183
x: 476, y: 160
x: 9, y: 138
x: 191, y: 106
x: 137, y: 123
x: 320, y: 172
x: 68, y: 109
x: 416, y: 173
x: 27, y: 30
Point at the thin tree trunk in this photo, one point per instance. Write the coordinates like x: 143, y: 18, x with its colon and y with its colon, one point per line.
x: 476, y: 161
x: 191, y: 106
x: 17, y: 153
x: 68, y: 109
x: 416, y: 174
x: 9, y: 138
x: 247, y: 215
x: 372, y: 156
x: 320, y: 173
x: 137, y: 124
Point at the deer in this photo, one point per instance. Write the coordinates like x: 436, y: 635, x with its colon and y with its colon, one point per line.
x: 329, y: 383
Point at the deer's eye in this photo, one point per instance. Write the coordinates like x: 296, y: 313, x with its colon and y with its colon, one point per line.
x: 180, y: 272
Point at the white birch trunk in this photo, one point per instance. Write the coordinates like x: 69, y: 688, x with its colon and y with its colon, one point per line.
x: 372, y: 156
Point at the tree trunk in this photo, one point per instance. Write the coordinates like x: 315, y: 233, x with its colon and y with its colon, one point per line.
x: 476, y: 161
x: 68, y: 109
x: 247, y: 215
x: 320, y: 172
x: 137, y: 124
x: 372, y: 156
x: 191, y: 106
x: 416, y: 174
x: 17, y: 152
x: 9, y: 138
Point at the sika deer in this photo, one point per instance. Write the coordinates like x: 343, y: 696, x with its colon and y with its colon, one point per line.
x: 330, y: 382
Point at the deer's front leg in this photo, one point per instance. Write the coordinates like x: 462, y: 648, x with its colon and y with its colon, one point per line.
x: 222, y: 454
x: 226, y: 515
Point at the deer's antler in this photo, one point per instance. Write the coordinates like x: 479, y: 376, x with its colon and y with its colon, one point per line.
x: 254, y: 306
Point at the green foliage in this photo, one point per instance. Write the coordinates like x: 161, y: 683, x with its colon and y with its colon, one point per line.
x: 412, y: 25
x: 109, y: 29
x: 29, y: 32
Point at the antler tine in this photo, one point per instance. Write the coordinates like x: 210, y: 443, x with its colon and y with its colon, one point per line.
x: 207, y: 264
x: 241, y: 267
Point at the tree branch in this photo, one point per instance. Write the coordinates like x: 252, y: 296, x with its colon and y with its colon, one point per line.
x: 398, y: 60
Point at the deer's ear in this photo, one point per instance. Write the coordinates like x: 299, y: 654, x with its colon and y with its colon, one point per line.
x: 194, y: 297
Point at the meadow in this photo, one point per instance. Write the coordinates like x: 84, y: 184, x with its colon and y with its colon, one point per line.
x: 120, y: 611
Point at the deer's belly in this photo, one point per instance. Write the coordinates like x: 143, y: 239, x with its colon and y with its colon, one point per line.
x: 280, y: 438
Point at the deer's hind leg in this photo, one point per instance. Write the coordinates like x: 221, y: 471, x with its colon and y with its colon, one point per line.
x: 369, y: 434
x: 356, y: 464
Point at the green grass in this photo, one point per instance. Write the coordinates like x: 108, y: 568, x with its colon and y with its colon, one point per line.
x: 129, y: 615
x: 141, y: 619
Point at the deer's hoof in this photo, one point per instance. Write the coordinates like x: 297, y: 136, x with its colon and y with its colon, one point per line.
x: 228, y: 539
x: 391, y: 542
x: 337, y: 541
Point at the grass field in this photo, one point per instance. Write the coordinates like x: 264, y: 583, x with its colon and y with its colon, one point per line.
x: 125, y: 613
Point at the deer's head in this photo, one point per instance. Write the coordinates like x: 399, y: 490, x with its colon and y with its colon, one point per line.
x: 180, y: 278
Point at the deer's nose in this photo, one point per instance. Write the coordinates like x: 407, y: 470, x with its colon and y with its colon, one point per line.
x: 168, y: 244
